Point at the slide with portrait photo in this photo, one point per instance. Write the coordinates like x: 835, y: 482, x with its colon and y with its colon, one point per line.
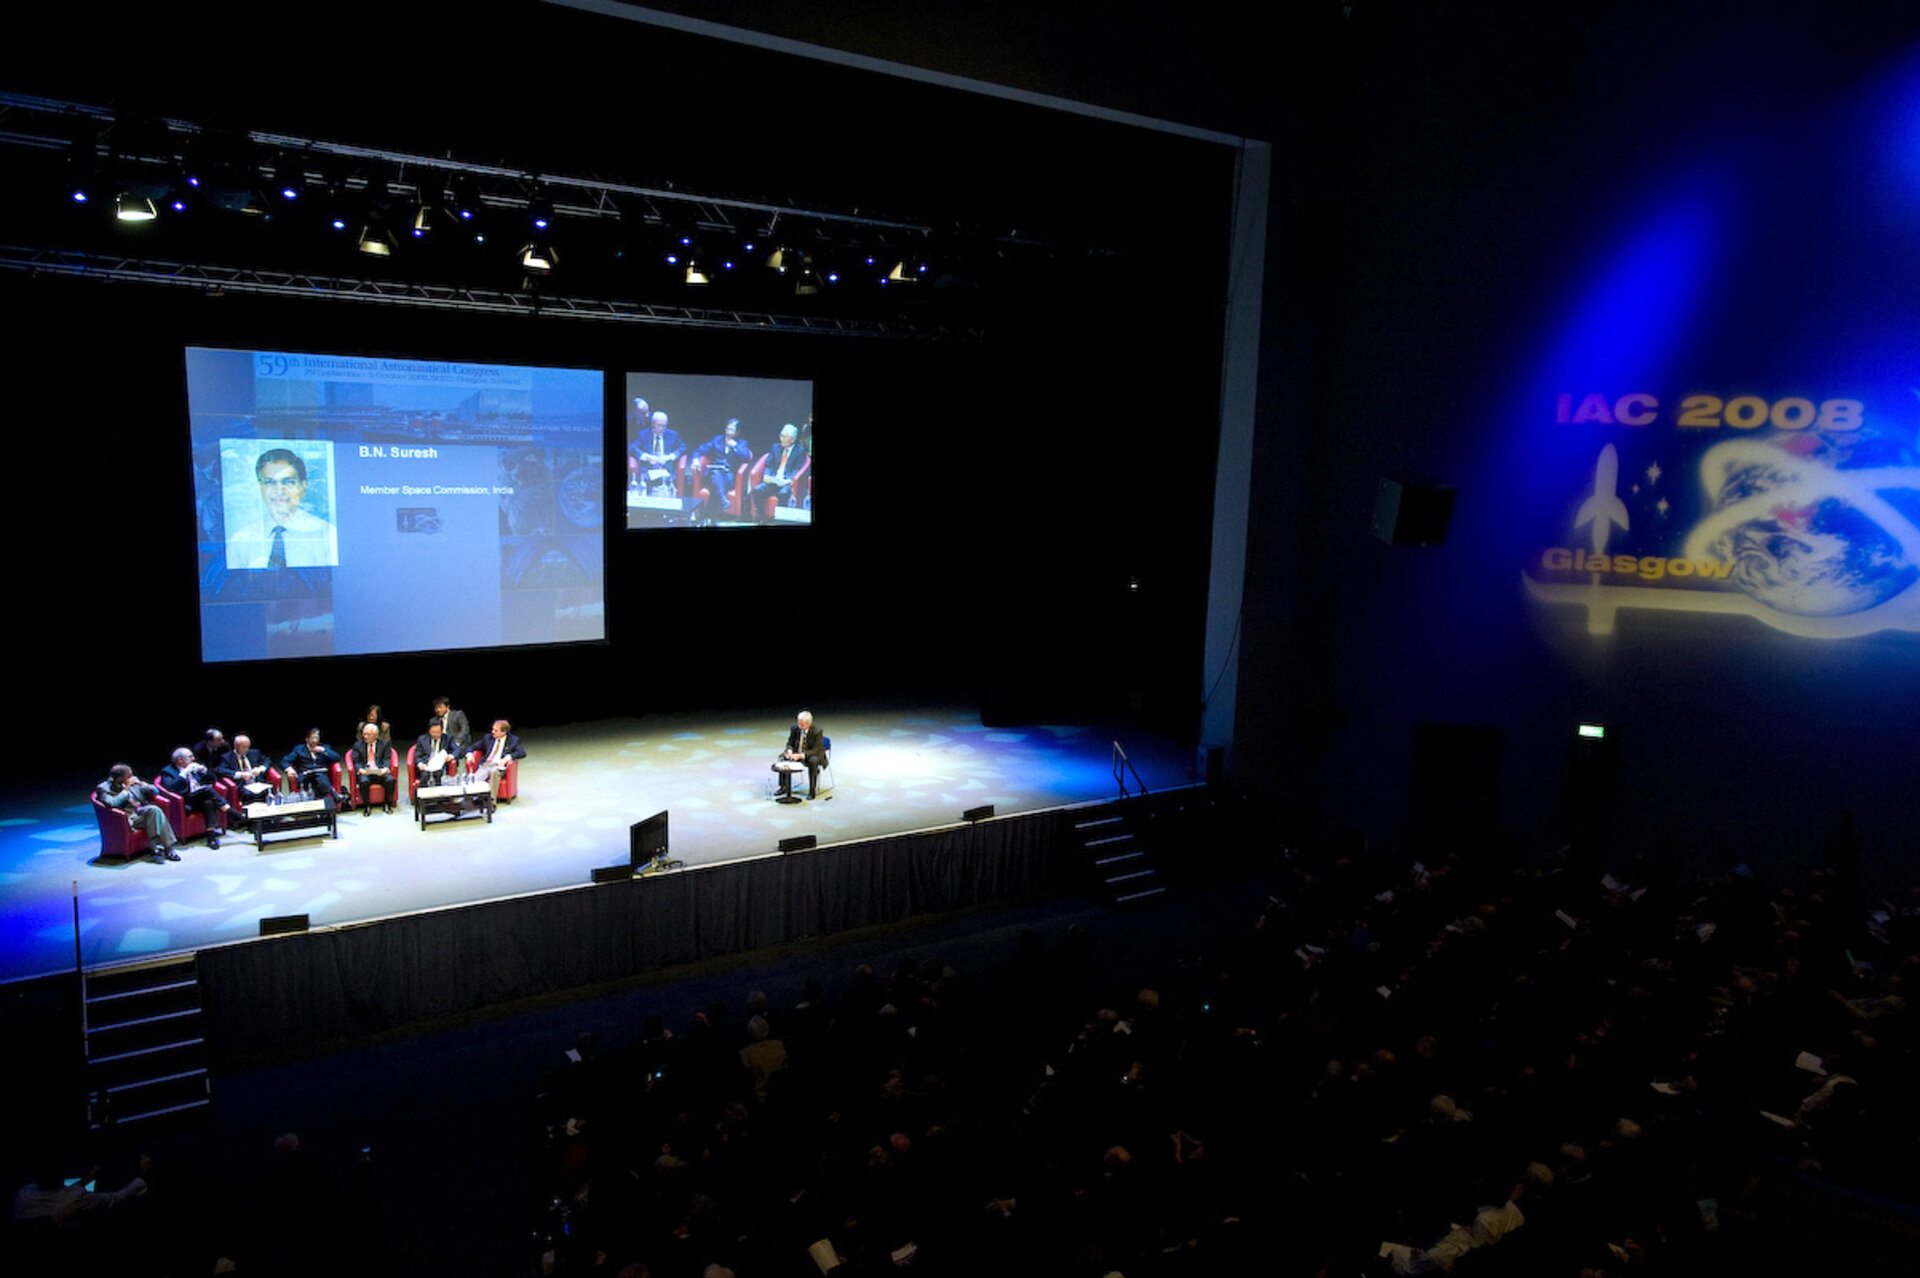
x: 360, y: 504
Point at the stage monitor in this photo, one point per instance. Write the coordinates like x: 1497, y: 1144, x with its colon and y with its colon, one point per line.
x: 649, y: 840
x: 707, y: 451
x: 352, y: 504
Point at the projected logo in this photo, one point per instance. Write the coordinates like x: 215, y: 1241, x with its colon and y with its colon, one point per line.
x: 1802, y: 514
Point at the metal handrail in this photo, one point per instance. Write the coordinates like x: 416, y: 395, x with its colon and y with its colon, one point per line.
x: 1121, y: 767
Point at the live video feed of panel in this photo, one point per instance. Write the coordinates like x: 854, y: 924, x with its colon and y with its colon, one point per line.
x: 354, y: 504
x: 718, y: 452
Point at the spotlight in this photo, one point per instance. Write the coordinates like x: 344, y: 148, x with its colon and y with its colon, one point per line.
x: 134, y: 208
x: 694, y: 274
x: 540, y: 210
x: 536, y: 256
x: 375, y: 240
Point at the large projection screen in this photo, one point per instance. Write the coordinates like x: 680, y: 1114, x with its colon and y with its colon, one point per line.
x: 713, y: 451
x: 355, y: 504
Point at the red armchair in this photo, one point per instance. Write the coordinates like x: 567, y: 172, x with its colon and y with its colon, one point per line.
x: 231, y: 792
x: 509, y: 779
x: 382, y: 790
x: 186, y: 824
x: 118, y: 839
x: 731, y: 499
x: 799, y: 491
x: 679, y: 474
x: 413, y: 776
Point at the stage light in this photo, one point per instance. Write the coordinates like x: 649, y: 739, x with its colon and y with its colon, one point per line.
x: 778, y: 259
x: 806, y: 284
x: 134, y: 208
x: 536, y: 256
x: 980, y: 813
x: 695, y: 275
x: 799, y: 843
x: 375, y: 241
x: 901, y: 275
x: 422, y: 220
x: 540, y: 211
x: 461, y: 198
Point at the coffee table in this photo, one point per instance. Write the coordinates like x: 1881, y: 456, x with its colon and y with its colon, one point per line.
x: 280, y: 818
x: 453, y: 801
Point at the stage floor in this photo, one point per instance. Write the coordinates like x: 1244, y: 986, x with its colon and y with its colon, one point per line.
x: 581, y: 787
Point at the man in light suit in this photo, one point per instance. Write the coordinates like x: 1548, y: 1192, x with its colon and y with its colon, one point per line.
x: 805, y: 744
x: 134, y: 799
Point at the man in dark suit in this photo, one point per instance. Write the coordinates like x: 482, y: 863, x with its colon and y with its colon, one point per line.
x: 312, y: 763
x: 247, y: 768
x: 492, y: 753
x: 459, y: 731
x: 783, y: 463
x: 433, y: 755
x: 720, y: 458
x: 187, y: 778
x: 658, y: 451
x: 805, y: 744
x: 373, y: 762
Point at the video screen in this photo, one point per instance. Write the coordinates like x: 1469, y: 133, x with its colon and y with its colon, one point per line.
x: 351, y: 504
x: 718, y: 452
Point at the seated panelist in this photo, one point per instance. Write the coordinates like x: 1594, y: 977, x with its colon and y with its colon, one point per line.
x: 373, y: 762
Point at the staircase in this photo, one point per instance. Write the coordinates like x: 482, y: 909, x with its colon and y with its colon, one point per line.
x: 146, y: 1053
x: 1122, y: 862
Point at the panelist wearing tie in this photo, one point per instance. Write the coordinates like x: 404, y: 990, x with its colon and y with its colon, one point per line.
x: 657, y: 451
x: 781, y: 466
x: 805, y: 744
x: 373, y: 762
x: 286, y: 535
x: 187, y: 777
x: 247, y: 768
x: 311, y: 763
x: 432, y: 755
x: 493, y: 752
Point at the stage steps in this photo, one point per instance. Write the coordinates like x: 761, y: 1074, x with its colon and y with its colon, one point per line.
x: 1137, y: 849
x: 146, y: 1052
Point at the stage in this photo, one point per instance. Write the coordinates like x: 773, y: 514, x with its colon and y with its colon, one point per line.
x: 582, y: 785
